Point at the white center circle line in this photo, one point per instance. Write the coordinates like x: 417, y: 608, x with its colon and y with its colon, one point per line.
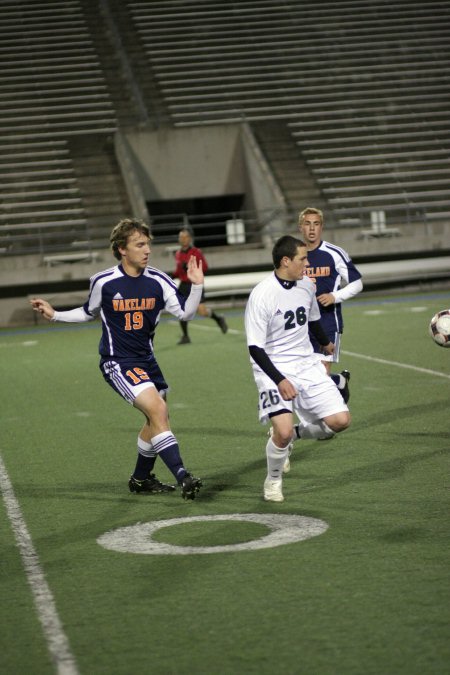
x: 286, y: 529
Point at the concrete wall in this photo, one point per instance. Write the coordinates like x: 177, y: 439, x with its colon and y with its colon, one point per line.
x: 197, y: 162
x: 184, y: 163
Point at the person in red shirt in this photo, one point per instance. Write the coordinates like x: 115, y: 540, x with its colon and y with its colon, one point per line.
x: 182, y: 257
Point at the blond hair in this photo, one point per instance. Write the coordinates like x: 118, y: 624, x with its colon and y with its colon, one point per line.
x: 310, y: 211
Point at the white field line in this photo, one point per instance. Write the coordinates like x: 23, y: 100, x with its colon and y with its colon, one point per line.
x: 385, y: 362
x: 397, y: 364
x: 57, y: 641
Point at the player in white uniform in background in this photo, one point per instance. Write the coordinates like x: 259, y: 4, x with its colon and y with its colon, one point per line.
x: 289, y: 375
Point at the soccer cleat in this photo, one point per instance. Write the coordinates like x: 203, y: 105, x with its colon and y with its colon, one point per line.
x: 184, y: 340
x: 272, y: 490
x: 222, y: 324
x: 190, y: 485
x: 150, y: 484
x: 345, y: 391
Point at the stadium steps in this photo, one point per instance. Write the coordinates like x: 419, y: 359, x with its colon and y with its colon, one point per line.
x: 100, y: 183
x: 37, y: 190
x: 133, y: 88
x: 287, y: 165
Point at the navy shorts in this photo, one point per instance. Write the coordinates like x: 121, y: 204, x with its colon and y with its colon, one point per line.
x: 130, y: 378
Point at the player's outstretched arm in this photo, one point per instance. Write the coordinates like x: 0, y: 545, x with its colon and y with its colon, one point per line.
x: 43, y: 307
x: 77, y: 315
x: 195, y: 270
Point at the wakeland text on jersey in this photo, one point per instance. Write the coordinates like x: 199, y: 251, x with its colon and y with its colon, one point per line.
x: 133, y: 304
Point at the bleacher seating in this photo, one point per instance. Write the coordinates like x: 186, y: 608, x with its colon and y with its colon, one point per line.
x: 359, y: 84
x: 52, y: 90
x: 349, y: 102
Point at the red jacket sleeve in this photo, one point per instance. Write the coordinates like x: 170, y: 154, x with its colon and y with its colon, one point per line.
x: 199, y: 255
x: 181, y: 261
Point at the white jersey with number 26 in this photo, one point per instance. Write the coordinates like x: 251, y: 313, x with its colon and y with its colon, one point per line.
x: 276, y: 319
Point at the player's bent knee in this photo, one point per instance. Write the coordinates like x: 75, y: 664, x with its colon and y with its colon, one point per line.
x: 338, y: 422
x: 151, y: 404
x: 282, y: 440
x: 282, y: 435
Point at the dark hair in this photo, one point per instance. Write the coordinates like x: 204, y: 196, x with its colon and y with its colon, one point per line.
x: 121, y: 232
x: 188, y: 230
x: 286, y: 246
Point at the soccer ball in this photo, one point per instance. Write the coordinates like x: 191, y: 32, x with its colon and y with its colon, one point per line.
x: 439, y: 328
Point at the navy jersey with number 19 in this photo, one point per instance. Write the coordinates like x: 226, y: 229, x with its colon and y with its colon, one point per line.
x: 130, y: 309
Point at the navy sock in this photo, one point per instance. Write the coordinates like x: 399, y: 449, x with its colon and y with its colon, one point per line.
x: 145, y: 460
x: 144, y: 465
x: 336, y: 379
x: 166, y: 447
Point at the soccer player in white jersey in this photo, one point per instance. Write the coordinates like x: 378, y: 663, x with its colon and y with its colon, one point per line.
x: 289, y: 375
x: 330, y: 267
x: 129, y: 298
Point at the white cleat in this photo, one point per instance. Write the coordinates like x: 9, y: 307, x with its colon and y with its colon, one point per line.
x: 272, y: 490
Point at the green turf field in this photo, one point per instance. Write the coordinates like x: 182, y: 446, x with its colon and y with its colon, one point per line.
x: 370, y: 595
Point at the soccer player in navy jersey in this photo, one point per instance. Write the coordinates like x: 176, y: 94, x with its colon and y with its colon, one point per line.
x: 329, y: 266
x: 129, y: 298
x: 182, y: 256
x: 281, y: 312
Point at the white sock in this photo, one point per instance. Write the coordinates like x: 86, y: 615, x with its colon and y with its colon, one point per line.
x: 145, y: 448
x: 275, y: 460
x: 318, y: 430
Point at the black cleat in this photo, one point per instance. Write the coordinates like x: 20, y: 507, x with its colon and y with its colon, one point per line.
x: 184, y: 340
x: 345, y: 391
x: 222, y: 324
x: 150, y: 484
x: 190, y: 485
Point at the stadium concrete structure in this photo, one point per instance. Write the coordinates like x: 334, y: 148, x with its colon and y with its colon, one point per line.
x: 229, y: 117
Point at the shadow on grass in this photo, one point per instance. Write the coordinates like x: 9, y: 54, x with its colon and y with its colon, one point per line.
x: 375, y: 471
x: 236, y: 479
x: 407, y: 535
x: 394, y: 414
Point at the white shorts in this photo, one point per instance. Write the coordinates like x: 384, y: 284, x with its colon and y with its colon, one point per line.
x: 318, y: 396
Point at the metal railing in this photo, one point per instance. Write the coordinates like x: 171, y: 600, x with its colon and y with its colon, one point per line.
x: 211, y: 229
x: 224, y: 229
